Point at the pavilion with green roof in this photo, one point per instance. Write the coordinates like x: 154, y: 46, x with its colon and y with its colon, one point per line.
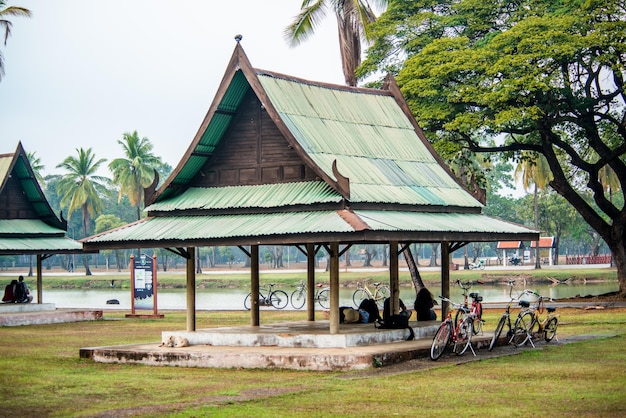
x: 28, y: 225
x: 283, y: 161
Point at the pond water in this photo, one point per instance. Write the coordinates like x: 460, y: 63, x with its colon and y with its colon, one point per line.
x: 230, y: 299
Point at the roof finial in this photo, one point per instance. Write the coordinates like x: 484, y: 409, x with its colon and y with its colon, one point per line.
x: 238, y: 38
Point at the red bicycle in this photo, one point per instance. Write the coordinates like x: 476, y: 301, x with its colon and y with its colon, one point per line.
x: 457, y: 333
x: 476, y: 309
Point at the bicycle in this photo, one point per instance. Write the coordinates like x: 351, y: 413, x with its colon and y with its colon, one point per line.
x: 381, y: 292
x: 458, y: 334
x: 505, y: 319
x: 476, y: 309
x: 322, y: 296
x: 269, y: 297
x: 529, y: 322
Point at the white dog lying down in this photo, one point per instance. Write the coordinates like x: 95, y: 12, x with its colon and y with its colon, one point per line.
x: 176, y: 342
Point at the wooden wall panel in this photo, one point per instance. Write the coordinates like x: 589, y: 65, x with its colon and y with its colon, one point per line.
x: 253, y: 151
x: 13, y: 202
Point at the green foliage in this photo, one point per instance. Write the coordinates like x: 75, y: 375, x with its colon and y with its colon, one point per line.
x: 549, y: 74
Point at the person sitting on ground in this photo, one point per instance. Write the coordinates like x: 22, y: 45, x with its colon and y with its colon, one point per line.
x: 22, y: 293
x: 9, y: 292
x: 424, y: 303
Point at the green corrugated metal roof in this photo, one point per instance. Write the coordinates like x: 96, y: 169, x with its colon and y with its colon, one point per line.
x: 215, y: 130
x: 261, y: 196
x: 260, y: 226
x: 5, y: 163
x: 226, y: 226
x: 437, y: 222
x: 40, y: 245
x: 27, y: 227
x: 373, y: 141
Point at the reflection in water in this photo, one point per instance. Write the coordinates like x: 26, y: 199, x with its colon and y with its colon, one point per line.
x: 232, y: 299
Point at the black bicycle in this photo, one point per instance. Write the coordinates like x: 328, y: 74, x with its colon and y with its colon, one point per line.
x: 268, y: 297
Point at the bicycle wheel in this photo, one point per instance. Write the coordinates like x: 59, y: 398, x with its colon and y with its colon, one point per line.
x: 497, y: 332
x: 380, y: 295
x: 521, y: 329
x: 279, y: 299
x: 549, y: 332
x: 358, y: 296
x: 478, y: 321
x: 463, y: 337
x: 298, y: 298
x: 323, y: 297
x: 246, y: 301
x: 441, y: 340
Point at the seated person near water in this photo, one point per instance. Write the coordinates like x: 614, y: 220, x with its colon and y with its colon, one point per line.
x: 9, y: 292
x: 424, y: 303
x: 22, y: 293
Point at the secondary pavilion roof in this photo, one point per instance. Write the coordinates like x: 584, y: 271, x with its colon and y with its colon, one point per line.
x: 281, y: 160
x: 27, y: 223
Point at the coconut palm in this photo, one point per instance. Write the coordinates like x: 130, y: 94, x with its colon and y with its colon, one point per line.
x: 80, y: 188
x: 533, y: 170
x: 136, y: 170
x: 5, y: 25
x: 353, y: 19
x: 37, y: 167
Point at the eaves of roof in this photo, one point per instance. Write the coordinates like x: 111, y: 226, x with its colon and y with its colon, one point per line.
x: 254, y: 196
x: 343, y: 226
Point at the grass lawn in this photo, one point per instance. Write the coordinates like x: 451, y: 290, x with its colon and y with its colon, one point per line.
x: 41, y: 374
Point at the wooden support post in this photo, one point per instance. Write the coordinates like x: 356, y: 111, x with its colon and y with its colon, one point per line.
x: 310, y: 282
x: 334, y: 288
x: 445, y: 277
x: 394, y: 277
x: 254, y: 285
x: 39, y: 280
x: 191, y: 289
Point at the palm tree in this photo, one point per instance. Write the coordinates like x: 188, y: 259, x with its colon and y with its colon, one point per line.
x: 533, y: 169
x: 353, y: 19
x: 5, y: 25
x: 136, y: 170
x: 609, y: 180
x: 80, y: 188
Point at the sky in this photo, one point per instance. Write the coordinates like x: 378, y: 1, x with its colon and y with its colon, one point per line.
x: 81, y: 73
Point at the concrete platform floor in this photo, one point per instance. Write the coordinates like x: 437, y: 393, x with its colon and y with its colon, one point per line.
x: 318, y: 358
x: 18, y: 314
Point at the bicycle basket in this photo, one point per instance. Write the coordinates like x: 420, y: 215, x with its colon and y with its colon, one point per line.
x: 529, y: 296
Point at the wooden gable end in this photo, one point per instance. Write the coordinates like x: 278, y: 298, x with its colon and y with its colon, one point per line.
x: 13, y: 201
x: 253, y: 151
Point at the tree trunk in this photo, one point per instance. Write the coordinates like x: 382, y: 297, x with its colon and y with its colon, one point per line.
x: 433, y: 255
x: 415, y: 274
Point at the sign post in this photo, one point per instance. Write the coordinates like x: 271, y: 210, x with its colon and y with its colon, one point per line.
x: 143, y: 286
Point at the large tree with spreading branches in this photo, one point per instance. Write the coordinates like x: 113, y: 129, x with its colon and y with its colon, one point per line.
x: 548, y: 73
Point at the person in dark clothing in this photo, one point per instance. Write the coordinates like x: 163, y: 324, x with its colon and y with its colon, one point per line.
x: 22, y: 293
x: 424, y: 303
x: 9, y: 292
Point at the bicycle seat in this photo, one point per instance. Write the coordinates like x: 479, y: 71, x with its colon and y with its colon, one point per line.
x: 473, y: 295
x: 376, y: 284
x: 478, y: 298
x: 551, y: 308
x: 524, y: 303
